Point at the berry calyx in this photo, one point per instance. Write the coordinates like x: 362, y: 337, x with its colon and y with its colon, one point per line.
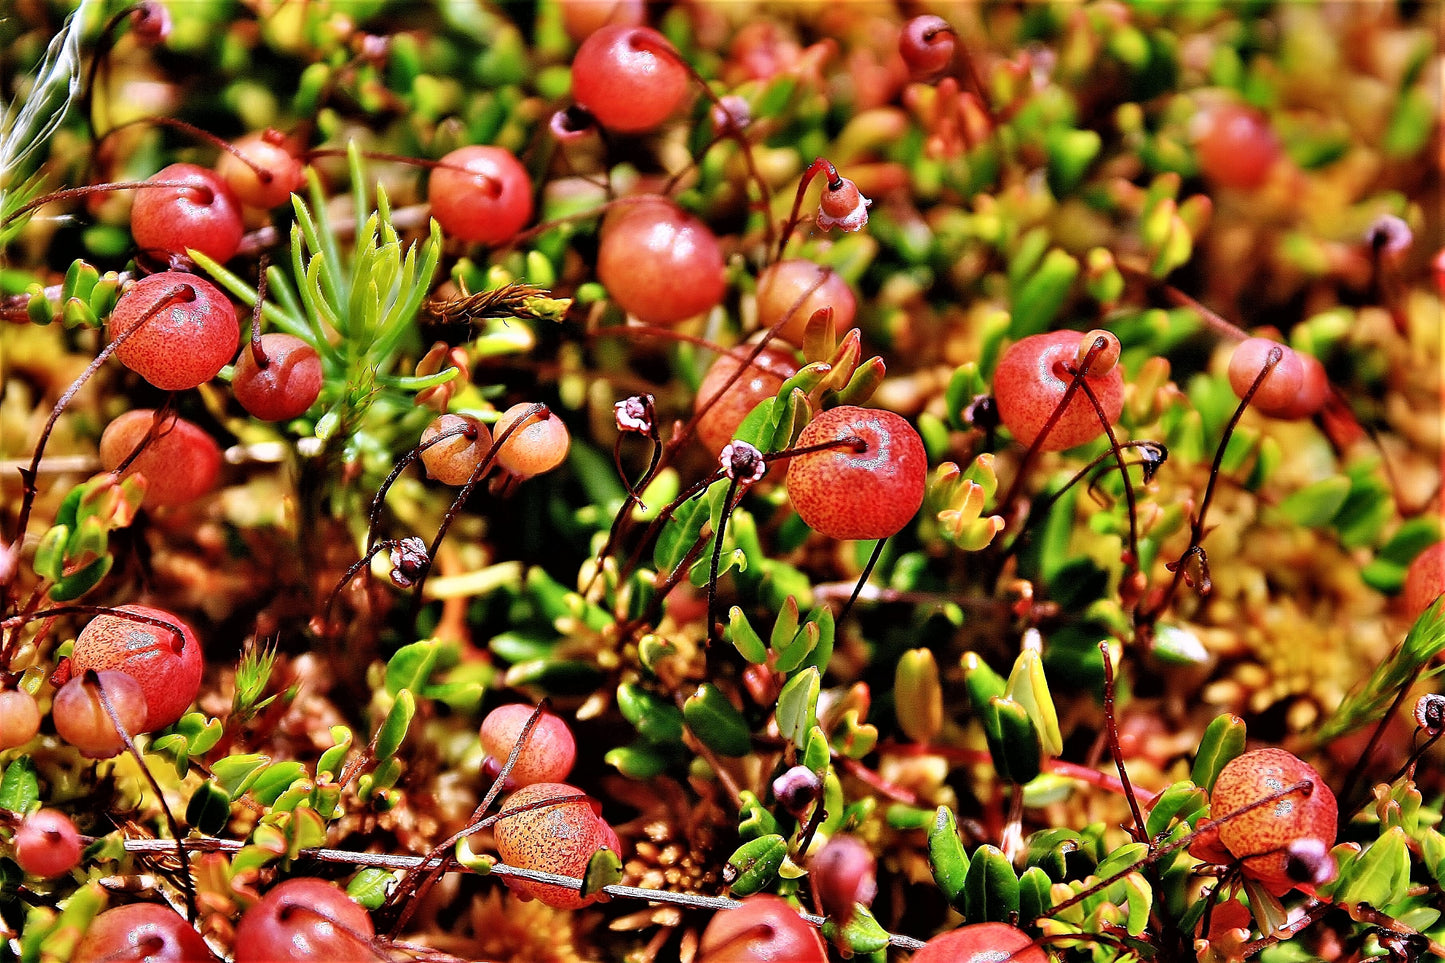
x: 926, y: 45
x: 180, y: 461
x: 795, y: 289
x: 870, y: 488
x: 630, y: 78
x: 46, y: 844
x: 539, y: 444
x: 167, y: 665
x: 658, y: 263
x: 80, y: 716
x: 981, y: 943
x: 179, y: 330
x: 454, y: 459
x: 1261, y: 838
x: 1425, y: 580
x: 1032, y: 378
x: 764, y: 929
x: 141, y: 932
x: 305, y: 921
x: 19, y: 718
x: 265, y: 174
x: 763, y: 379
x: 480, y: 194
x: 546, y: 756
x: 560, y: 836
x: 843, y: 206
x: 287, y: 385
x: 1280, y: 388
x: 204, y: 214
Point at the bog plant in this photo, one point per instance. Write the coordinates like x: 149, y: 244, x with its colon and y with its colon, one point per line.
x: 720, y: 483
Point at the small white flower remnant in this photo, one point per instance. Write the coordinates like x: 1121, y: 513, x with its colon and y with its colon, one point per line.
x: 634, y: 413
x: 731, y: 113
x: 1390, y: 235
x: 742, y: 463
x: 843, y: 207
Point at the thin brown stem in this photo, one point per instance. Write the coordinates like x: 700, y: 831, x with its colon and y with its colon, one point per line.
x: 1111, y: 728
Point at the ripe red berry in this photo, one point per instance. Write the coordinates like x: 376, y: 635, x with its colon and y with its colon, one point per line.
x: 557, y: 838
x: 277, y: 173
x: 547, y: 755
x: 180, y: 461
x: 288, y: 385
x: 452, y: 460
x: 926, y: 45
x: 488, y: 205
x: 845, y: 493
x: 46, y: 844
x: 796, y: 288
x: 81, y: 720
x: 582, y: 18
x: 19, y: 718
x: 1236, y: 146
x: 1280, y: 390
x: 1314, y: 389
x: 1425, y: 580
x: 763, y: 379
x: 144, y: 933
x: 187, y: 330
x: 167, y: 666
x: 1261, y: 838
x: 764, y: 929
x: 843, y: 874
x: 981, y: 943
x: 204, y: 214
x: 658, y: 263
x: 1031, y: 379
x: 630, y: 78
x: 539, y: 445
x: 305, y: 921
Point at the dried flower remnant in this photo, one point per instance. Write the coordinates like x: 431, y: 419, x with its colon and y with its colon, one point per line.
x: 635, y: 413
x: 409, y: 561
x: 742, y: 463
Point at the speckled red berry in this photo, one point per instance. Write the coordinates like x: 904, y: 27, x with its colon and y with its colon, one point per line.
x: 305, y: 921
x: 1260, y: 838
x: 559, y: 837
x: 981, y: 943
x: 288, y: 385
x: 762, y: 379
x: 179, y: 461
x: 849, y: 493
x: 1030, y: 381
x: 168, y: 666
x: 548, y: 753
x: 186, y: 330
x: 203, y: 214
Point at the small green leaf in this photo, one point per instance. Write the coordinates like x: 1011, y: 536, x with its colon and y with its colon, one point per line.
x: 1141, y: 902
x: 235, y: 774
x: 653, y: 718
x: 209, y: 809
x: 411, y: 667
x: 370, y: 887
x: 716, y: 722
x: 603, y: 869
x: 334, y: 759
x: 946, y: 857
x: 641, y: 760
x: 754, y: 820
x: 679, y: 534
x: 785, y: 627
x: 817, y: 752
x: 1314, y: 505
x: 983, y: 683
x: 794, y: 654
x: 918, y: 695
x: 1035, y: 896
x: 75, y: 585
x: 863, y: 934
x: 991, y: 891
x: 797, y: 710
x: 1028, y: 687
x: 20, y: 787
x: 275, y: 780
x: 201, y: 732
x: 1381, y: 874
x: 741, y: 634
x: 393, y: 730
x: 754, y: 865
x: 1222, y: 741
x: 1180, y: 802
x: 1013, y: 742
x: 50, y: 553
x: 1050, y: 849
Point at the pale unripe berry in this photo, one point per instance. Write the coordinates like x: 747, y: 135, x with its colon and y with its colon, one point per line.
x: 275, y: 177
x: 546, y: 756
x: 539, y: 445
x: 46, y: 844
x: 795, y: 289
x: 80, y: 716
x: 19, y: 718
x: 454, y: 459
x: 762, y: 379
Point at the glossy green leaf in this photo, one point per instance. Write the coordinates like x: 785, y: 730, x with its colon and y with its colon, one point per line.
x: 679, y: 534
x: 747, y: 641
x: 1051, y: 849
x: 797, y: 711
x: 862, y: 934
x: 794, y: 654
x: 334, y: 759
x: 276, y: 779
x: 946, y: 857
x: 716, y: 722
x: 1381, y: 874
x: 20, y: 787
x: 209, y: 809
x: 754, y: 865
x: 1222, y: 741
x: 411, y: 667
x: 754, y: 820
x: 1180, y: 802
x: 201, y: 732
x: 1314, y: 505
x: 49, y: 561
x: 370, y: 887
x: 1012, y: 740
x: 654, y: 718
x: 394, y: 728
x: 991, y: 891
x: 235, y: 774
x: 918, y: 695
x: 785, y: 627
x: 603, y: 869
x: 75, y: 585
x: 1028, y: 687
x: 1035, y: 899
x: 1141, y: 903
x: 983, y: 683
x: 641, y: 760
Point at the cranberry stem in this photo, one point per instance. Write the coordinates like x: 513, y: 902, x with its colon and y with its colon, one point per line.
x: 163, y: 422
x: 820, y: 165
x: 1111, y: 727
x: 494, y: 186
x: 1132, y: 563
x: 1196, y: 528
x: 92, y: 681
x: 264, y: 175
x: 69, y: 193
x: 104, y: 43
x: 257, y: 352
x: 863, y: 578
